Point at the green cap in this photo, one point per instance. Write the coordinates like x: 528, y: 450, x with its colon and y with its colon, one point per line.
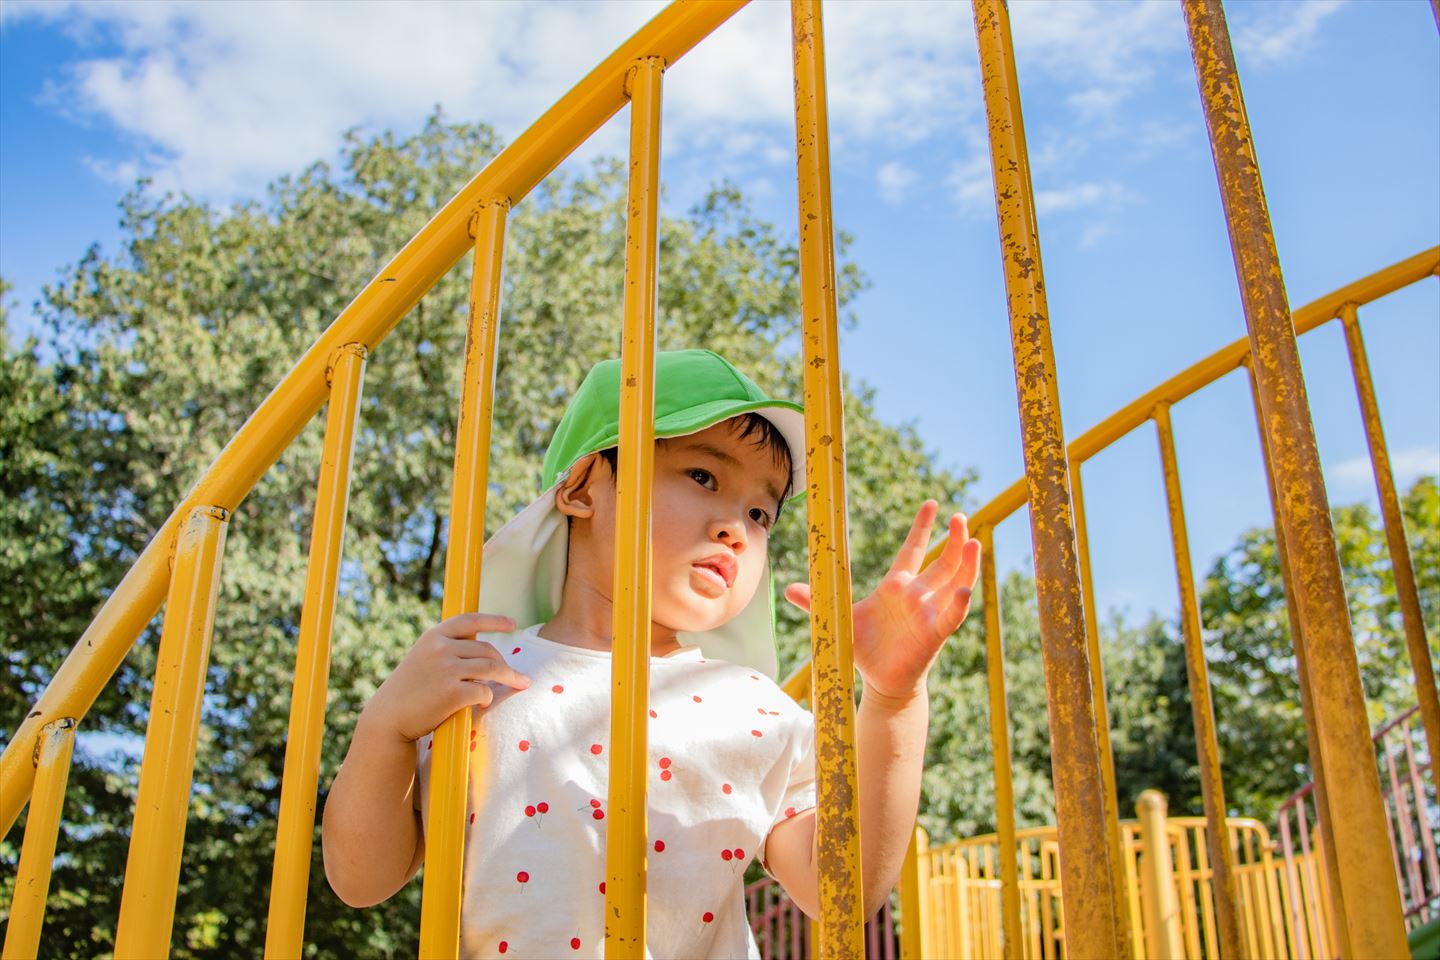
x: 694, y: 389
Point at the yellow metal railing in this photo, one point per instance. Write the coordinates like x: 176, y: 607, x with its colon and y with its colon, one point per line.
x: 1023, y: 886
x: 1171, y: 903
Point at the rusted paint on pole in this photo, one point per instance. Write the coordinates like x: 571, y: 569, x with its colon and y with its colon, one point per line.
x: 469, y: 483
x: 1102, y: 705
x: 37, y: 852
x: 1367, y: 882
x: 625, y: 841
x: 1307, y: 708
x: 295, y: 829
x: 1092, y: 902
x: 1000, y: 748
x: 162, y: 801
x: 1400, y: 563
x: 841, y: 880
x: 1207, y: 744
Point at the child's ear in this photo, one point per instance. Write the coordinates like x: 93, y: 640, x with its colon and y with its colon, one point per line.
x: 575, y: 497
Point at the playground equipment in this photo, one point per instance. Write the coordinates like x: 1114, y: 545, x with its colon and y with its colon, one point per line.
x: 1087, y: 870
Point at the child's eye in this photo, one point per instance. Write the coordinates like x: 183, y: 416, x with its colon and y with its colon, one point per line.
x: 703, y: 477
x: 761, y: 517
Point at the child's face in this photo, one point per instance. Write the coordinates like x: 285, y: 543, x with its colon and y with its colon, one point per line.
x: 716, y: 497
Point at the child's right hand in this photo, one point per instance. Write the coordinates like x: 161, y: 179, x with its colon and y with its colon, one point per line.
x: 445, y: 671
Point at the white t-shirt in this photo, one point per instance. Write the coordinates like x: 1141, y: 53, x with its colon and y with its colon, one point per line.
x: 731, y: 755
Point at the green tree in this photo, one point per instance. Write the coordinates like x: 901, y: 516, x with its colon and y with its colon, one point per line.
x: 1252, y: 661
x: 161, y: 352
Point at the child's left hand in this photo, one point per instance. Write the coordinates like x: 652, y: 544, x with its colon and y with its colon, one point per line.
x: 900, y: 628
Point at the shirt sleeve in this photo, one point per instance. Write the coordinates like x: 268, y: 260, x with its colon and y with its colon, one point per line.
x: 798, y: 794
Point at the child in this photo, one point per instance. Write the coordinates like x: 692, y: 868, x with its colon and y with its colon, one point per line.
x: 732, y: 761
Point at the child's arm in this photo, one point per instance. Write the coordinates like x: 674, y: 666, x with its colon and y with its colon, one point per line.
x: 899, y: 630
x: 890, y: 752
x: 371, y: 834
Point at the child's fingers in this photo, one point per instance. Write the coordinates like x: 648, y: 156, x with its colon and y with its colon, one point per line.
x: 912, y: 552
x: 799, y: 594
x: 495, y: 671
x: 465, y: 625
x: 948, y: 563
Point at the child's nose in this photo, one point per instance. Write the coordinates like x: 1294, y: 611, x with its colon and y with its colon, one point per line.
x: 729, y: 532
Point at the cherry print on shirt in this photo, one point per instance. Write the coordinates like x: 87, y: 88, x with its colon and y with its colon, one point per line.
x: 522, y: 878
x: 515, y: 651
x: 659, y: 846
x: 537, y: 811
x: 602, y: 886
x: 707, y: 916
x: 789, y: 812
x: 574, y: 943
x: 696, y: 698
x: 596, y: 749
x: 524, y: 745
x: 472, y: 818
x: 654, y: 715
x: 725, y: 788
x: 504, y: 945
x: 595, y: 809
x: 756, y: 733
x: 558, y: 688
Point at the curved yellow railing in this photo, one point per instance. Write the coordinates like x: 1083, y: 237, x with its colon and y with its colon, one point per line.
x: 1093, y: 871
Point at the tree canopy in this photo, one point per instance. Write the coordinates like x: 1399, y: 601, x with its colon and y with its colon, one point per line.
x: 155, y: 355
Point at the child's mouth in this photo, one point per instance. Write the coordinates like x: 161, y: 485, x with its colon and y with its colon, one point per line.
x: 710, y: 575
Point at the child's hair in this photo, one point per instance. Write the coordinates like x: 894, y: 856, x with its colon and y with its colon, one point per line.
x: 748, y: 425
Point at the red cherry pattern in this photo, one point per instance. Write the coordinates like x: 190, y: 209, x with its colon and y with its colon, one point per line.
x: 574, y: 943
x: 522, y: 877
x: 515, y: 651
x: 789, y: 812
x: 707, y: 916
x: 725, y: 788
x: 756, y: 733
x: 524, y: 745
x: 654, y: 715
x: 558, y: 688
x: 596, y: 749
x: 696, y: 698
x: 659, y: 846
x: 602, y: 886
x: 504, y: 945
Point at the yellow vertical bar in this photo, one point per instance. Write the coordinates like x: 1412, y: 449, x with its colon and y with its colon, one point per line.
x: 1292, y: 612
x: 1364, y: 878
x: 1207, y: 746
x: 1162, y: 913
x: 1091, y: 901
x: 1097, y: 689
x: 449, y: 771
x: 1400, y: 562
x: 630, y: 650
x: 37, y: 852
x: 152, y: 870
x: 912, y: 892
x: 1000, y: 747
x: 290, y: 876
x: 838, y: 840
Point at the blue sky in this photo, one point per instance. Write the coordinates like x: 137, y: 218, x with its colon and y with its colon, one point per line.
x: 218, y: 98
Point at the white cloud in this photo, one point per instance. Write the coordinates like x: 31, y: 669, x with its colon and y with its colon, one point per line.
x: 894, y: 179
x: 1076, y: 195
x: 971, y: 185
x: 1274, y: 32
x: 1406, y: 467
x: 217, y: 98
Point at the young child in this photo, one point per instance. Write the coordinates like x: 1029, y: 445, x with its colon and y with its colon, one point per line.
x: 732, y: 758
